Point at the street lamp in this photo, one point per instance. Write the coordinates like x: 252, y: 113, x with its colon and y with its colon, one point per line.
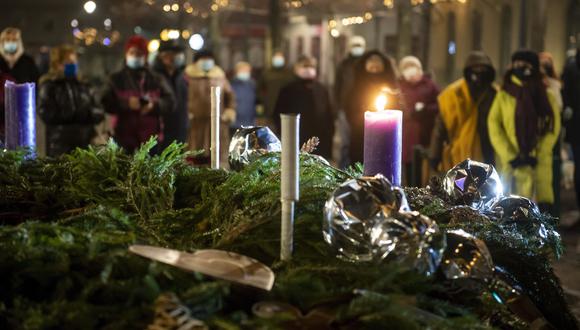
x: 196, y: 41
x: 90, y: 7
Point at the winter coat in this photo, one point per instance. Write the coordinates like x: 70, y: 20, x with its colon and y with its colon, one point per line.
x: 273, y: 80
x: 175, y: 123
x: 23, y: 70
x: 345, y: 76
x: 418, y: 122
x: 69, y: 109
x: 571, y: 98
x: 460, y: 130
x: 245, y: 92
x: 199, y: 108
x: 362, y: 98
x: 132, y: 127
x: 502, y: 132
x: 312, y: 101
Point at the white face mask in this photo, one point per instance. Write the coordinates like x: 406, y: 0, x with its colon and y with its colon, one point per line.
x: 357, y: 51
x: 10, y: 47
x: 307, y: 73
x: 411, y: 73
x: 278, y: 61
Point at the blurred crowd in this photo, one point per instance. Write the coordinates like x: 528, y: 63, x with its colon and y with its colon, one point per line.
x: 527, y: 125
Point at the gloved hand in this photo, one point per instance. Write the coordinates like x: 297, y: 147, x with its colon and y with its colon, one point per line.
x: 229, y: 115
x: 521, y: 161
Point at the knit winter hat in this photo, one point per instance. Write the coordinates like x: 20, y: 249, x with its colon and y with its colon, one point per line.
x: 203, y: 53
x: 529, y: 57
x: 139, y: 43
x: 356, y: 41
x: 410, y: 61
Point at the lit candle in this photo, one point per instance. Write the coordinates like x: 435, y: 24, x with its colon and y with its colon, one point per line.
x: 290, y: 182
x: 20, y: 110
x: 383, y: 140
x: 216, y: 93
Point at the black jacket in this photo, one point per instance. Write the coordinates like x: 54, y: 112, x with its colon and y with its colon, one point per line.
x: 175, y: 123
x: 69, y: 110
x: 312, y: 101
x: 571, y: 98
x: 24, y: 70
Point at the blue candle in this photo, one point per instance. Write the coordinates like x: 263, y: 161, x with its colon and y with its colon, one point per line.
x: 383, y: 141
x: 20, y: 109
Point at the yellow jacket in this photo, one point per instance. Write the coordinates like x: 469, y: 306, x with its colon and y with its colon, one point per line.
x: 524, y: 181
x: 459, y: 114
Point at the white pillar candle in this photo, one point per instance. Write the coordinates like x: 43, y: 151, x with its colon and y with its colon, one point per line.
x: 290, y: 186
x: 215, y: 126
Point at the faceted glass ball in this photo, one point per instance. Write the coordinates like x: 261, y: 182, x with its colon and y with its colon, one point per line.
x: 249, y: 143
x: 473, y: 184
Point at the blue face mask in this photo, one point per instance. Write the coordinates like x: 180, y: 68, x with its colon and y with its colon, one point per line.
x: 179, y: 60
x: 10, y: 47
x: 71, y: 70
x: 134, y: 62
x: 357, y: 51
x: 245, y: 76
x: 278, y: 61
x: 206, y: 65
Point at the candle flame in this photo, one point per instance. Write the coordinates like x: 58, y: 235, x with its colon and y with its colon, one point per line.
x: 381, y: 102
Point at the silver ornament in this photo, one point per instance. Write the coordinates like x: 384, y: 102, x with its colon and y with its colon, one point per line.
x: 473, y: 184
x: 515, y: 208
x: 523, y: 213
x: 369, y: 219
x: 410, y: 239
x: 354, y: 209
x: 466, y: 257
x: 249, y: 143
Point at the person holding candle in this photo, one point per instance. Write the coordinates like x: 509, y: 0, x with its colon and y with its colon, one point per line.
x: 420, y: 108
x: 460, y: 130
x: 374, y: 72
x: 138, y: 97
x: 309, y: 98
x: 66, y: 105
x: 524, y: 126
x: 201, y: 76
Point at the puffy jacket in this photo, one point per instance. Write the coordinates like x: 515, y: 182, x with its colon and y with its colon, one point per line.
x: 69, y: 110
x: 502, y: 132
x: 133, y: 128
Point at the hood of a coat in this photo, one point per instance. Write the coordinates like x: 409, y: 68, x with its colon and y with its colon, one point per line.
x: 478, y: 58
x: 194, y: 71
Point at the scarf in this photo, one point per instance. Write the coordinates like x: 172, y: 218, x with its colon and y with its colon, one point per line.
x: 534, y: 117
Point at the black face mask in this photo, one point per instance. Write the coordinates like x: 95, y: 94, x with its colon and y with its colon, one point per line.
x: 522, y: 73
x: 480, y: 79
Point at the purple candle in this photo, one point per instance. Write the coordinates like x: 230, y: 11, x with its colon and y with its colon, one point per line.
x: 20, y: 109
x: 383, y: 142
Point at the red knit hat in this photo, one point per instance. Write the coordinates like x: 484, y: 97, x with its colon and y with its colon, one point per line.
x: 137, y: 42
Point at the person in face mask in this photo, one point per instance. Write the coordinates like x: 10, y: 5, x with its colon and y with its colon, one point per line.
x: 138, y: 97
x: 373, y: 72
x: 201, y: 75
x: 269, y: 86
x: 245, y: 90
x: 13, y: 61
x: 67, y: 104
x: 309, y: 98
x: 524, y: 126
x: 571, y: 114
x: 460, y: 130
x: 419, y: 94
x: 15, y: 65
x: 170, y: 64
